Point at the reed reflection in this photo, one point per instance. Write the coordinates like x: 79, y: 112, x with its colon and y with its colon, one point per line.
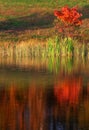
x: 57, y: 65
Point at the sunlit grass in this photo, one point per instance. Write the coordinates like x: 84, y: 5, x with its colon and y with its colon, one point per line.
x: 55, y: 47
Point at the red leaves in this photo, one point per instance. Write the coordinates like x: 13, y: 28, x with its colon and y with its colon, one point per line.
x: 57, y: 13
x: 69, y: 16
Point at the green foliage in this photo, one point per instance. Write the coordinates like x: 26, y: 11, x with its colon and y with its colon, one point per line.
x: 53, y: 46
x: 70, y: 47
x: 67, y: 47
x: 63, y: 47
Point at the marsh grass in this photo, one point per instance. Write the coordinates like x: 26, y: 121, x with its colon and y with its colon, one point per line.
x: 53, y: 47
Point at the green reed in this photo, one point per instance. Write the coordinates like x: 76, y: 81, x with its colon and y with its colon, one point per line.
x: 53, y: 47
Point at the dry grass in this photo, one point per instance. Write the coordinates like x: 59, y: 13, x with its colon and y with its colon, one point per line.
x: 44, y: 49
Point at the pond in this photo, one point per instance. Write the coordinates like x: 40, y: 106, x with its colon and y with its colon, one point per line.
x: 44, y: 94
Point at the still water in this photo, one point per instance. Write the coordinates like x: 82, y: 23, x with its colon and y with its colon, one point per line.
x: 44, y: 94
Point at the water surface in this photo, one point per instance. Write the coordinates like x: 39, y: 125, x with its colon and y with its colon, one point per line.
x: 44, y: 94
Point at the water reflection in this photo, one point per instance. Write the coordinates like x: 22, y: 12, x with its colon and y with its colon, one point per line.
x: 68, y: 91
x: 21, y: 108
x: 63, y: 106
x: 47, y: 99
x: 51, y: 64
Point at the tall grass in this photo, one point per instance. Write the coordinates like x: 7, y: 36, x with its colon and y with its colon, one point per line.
x: 51, y: 48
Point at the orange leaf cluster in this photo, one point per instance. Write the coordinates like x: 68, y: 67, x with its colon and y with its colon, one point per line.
x: 69, y: 16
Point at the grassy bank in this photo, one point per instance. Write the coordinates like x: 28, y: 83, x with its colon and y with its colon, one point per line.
x: 27, y: 29
x: 24, y: 19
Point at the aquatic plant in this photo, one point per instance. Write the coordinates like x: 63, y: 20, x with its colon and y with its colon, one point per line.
x: 67, y: 47
x: 53, y: 47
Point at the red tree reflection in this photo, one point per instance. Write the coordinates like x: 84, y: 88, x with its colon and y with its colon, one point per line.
x: 68, y: 90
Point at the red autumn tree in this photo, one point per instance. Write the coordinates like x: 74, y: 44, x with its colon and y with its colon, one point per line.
x: 69, y: 18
